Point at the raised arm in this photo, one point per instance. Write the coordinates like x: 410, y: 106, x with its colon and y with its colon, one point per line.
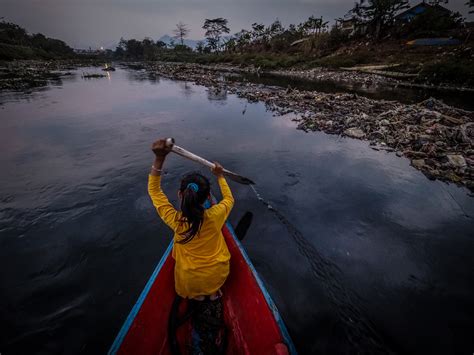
x: 224, y: 207
x: 164, y: 208
x: 227, y: 198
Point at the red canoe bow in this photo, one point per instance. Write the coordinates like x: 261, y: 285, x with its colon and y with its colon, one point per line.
x: 251, y: 317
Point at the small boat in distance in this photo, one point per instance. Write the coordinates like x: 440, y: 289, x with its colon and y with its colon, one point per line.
x: 92, y: 75
x: 254, y: 325
x: 108, y: 68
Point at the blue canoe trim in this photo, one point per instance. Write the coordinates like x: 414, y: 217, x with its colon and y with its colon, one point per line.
x: 284, y: 331
x: 133, y: 313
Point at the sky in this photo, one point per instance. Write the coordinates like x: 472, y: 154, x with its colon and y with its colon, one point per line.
x: 97, y: 23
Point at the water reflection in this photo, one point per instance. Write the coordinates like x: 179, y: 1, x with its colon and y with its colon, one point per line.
x: 143, y: 76
x: 364, y: 251
x: 23, y: 95
x: 186, y: 89
x: 402, y: 94
x: 217, y: 95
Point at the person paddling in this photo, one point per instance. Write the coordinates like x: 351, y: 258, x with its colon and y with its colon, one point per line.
x: 200, y: 251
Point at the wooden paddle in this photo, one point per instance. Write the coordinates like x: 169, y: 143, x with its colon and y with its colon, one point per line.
x: 191, y: 156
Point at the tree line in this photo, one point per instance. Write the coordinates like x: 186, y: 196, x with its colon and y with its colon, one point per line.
x: 17, y: 43
x: 376, y: 17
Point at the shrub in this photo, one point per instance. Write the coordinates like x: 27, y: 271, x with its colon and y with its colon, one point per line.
x: 451, y: 72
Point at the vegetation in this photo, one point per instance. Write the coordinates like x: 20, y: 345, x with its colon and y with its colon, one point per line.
x: 379, y: 14
x: 372, y: 34
x: 147, y: 49
x: 181, y: 32
x: 214, y: 30
x: 430, y: 23
x: 16, y: 43
x: 377, y: 37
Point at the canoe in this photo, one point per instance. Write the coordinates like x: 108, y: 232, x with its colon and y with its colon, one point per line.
x: 254, y: 325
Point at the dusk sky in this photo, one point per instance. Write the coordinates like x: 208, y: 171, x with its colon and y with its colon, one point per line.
x: 96, y: 23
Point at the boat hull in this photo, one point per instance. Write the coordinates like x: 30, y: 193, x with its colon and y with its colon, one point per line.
x: 252, y: 319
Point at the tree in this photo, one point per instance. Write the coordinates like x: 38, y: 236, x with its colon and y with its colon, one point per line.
x: 34, y: 45
x: 379, y: 13
x: 275, y: 29
x: 470, y: 3
x: 148, y: 49
x: 181, y: 32
x: 242, y: 39
x: 214, y: 30
x: 258, y: 31
x: 134, y: 49
x: 160, y: 44
x: 315, y: 25
x: 230, y: 45
x: 13, y: 34
x: 200, y: 47
x: 182, y: 48
x: 121, y: 48
x: 293, y: 32
x: 119, y: 52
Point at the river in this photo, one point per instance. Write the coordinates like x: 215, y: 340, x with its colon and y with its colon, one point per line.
x: 362, y: 253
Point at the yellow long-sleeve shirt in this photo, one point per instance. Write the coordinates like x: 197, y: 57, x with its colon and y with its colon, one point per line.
x: 202, y: 265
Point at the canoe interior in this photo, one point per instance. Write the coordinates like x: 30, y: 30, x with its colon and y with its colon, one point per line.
x: 253, y: 323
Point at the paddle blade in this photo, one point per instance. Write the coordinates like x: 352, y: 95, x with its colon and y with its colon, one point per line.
x: 243, y: 225
x: 239, y: 178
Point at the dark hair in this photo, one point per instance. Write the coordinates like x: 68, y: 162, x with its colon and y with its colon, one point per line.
x: 192, y: 203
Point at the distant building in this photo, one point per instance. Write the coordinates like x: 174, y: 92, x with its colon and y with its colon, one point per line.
x: 347, y: 25
x: 351, y: 25
x: 411, y: 13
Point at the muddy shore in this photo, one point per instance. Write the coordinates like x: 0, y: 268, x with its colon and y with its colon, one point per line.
x: 437, y: 138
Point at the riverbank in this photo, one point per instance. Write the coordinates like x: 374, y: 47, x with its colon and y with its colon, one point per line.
x: 438, y: 139
x: 444, y: 66
x: 81, y: 149
x: 362, y: 75
x: 29, y: 74
x: 365, y: 76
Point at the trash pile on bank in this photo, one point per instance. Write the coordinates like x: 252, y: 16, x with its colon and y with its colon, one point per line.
x: 437, y: 138
x: 23, y: 75
x: 340, y: 76
x: 20, y: 77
